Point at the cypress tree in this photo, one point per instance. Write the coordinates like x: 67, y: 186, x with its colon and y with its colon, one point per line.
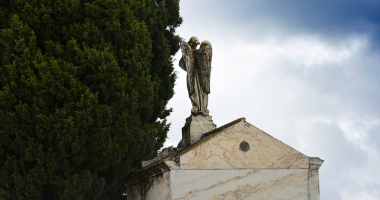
x: 83, y: 91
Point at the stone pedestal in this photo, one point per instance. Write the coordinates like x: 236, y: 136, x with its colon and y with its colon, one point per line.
x: 194, y: 128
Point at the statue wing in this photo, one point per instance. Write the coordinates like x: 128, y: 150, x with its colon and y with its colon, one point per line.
x: 188, y: 63
x: 182, y: 64
x: 205, y: 58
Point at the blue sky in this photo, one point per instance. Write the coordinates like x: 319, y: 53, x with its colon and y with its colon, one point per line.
x: 306, y: 72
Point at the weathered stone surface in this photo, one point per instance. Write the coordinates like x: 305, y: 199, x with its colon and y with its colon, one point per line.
x: 197, y: 64
x: 313, y: 184
x: 223, y: 151
x: 315, y: 162
x: 242, y: 184
x: 165, y: 152
x: 155, y: 188
x: 149, y: 172
x: 194, y: 128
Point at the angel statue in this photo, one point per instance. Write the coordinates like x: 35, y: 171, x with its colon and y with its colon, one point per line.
x: 197, y: 64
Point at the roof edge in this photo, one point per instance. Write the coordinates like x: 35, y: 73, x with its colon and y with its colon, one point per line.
x: 148, y: 172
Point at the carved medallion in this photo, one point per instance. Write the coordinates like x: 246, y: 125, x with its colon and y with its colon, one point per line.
x: 244, y: 146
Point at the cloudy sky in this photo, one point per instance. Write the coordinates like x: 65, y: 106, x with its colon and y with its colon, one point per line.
x: 305, y: 71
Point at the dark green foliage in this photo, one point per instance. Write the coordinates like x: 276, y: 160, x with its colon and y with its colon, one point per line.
x: 83, y: 93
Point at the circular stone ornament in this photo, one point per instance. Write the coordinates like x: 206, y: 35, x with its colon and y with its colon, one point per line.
x: 244, y: 146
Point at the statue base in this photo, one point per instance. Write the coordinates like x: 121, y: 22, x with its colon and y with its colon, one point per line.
x: 194, y: 128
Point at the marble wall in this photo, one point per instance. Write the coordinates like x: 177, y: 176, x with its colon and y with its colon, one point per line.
x: 217, y: 169
x: 244, y: 184
x: 155, y: 188
x: 222, y: 151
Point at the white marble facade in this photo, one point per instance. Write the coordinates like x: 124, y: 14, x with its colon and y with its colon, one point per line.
x: 216, y: 168
x: 244, y: 184
x: 222, y: 151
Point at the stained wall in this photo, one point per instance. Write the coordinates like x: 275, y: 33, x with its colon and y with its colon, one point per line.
x: 244, y: 184
x: 155, y: 188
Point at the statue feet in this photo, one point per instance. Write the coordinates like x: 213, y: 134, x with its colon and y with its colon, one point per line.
x: 195, y: 112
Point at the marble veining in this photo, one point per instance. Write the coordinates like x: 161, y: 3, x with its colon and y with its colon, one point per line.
x: 222, y: 151
x: 240, y: 184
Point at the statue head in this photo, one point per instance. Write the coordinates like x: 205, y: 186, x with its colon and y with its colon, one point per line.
x: 193, y: 42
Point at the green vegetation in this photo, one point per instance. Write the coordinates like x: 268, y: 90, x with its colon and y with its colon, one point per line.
x: 83, y: 91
